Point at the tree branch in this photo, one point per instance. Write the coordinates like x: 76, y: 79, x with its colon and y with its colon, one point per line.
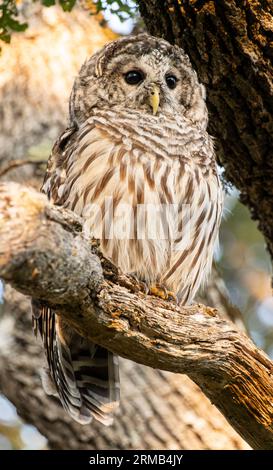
x: 11, y: 165
x: 159, y: 410
x: 44, y: 254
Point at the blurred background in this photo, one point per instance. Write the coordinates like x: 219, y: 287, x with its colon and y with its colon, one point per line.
x: 36, y: 74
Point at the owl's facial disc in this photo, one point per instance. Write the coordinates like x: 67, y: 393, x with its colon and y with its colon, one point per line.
x: 140, y: 73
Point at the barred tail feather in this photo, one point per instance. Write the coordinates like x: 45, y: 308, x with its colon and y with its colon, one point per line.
x: 84, y: 375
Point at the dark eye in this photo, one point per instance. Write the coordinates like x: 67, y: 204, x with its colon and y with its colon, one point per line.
x: 171, y: 81
x: 133, y: 77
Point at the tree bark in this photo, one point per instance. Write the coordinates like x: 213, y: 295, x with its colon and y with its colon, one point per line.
x: 51, y: 261
x: 159, y: 410
x: 230, y: 44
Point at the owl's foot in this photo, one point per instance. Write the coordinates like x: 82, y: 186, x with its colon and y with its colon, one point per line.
x: 142, y: 284
x: 161, y: 291
x: 158, y: 290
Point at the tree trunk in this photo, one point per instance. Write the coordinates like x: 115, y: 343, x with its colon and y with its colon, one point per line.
x: 230, y: 45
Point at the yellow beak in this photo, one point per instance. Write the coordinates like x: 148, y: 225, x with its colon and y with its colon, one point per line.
x: 154, y: 98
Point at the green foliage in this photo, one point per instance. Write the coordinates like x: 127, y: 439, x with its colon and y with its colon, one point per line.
x: 66, y: 5
x: 10, y: 22
x: 124, y: 9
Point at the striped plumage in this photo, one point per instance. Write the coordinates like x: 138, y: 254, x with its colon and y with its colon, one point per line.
x: 127, y: 171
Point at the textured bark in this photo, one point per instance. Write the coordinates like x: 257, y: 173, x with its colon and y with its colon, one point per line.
x: 230, y: 44
x: 159, y: 410
x: 51, y: 261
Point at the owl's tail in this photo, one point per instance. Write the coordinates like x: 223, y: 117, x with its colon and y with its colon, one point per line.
x: 84, y: 375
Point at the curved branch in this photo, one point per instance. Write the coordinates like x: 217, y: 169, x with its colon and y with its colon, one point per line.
x: 159, y: 410
x: 51, y: 260
x: 11, y: 165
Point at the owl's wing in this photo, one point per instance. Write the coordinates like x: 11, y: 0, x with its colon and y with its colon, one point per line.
x: 56, y: 165
x: 199, y: 214
x: 84, y: 375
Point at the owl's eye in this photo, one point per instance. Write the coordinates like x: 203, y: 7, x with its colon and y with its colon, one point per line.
x: 171, y: 81
x: 133, y: 77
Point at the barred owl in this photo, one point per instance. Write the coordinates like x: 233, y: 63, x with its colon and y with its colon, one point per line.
x: 136, y: 162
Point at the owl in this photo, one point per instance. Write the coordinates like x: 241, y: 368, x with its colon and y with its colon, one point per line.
x: 137, y: 164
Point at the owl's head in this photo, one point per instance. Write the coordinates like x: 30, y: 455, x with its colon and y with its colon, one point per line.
x: 143, y: 73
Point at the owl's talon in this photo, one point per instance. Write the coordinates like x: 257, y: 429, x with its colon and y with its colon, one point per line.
x: 161, y: 291
x: 144, y: 287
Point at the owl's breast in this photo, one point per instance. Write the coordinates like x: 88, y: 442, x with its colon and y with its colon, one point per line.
x: 129, y: 187
x: 123, y: 191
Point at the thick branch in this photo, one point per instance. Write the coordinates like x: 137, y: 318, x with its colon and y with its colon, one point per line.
x: 50, y: 260
x: 159, y: 410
